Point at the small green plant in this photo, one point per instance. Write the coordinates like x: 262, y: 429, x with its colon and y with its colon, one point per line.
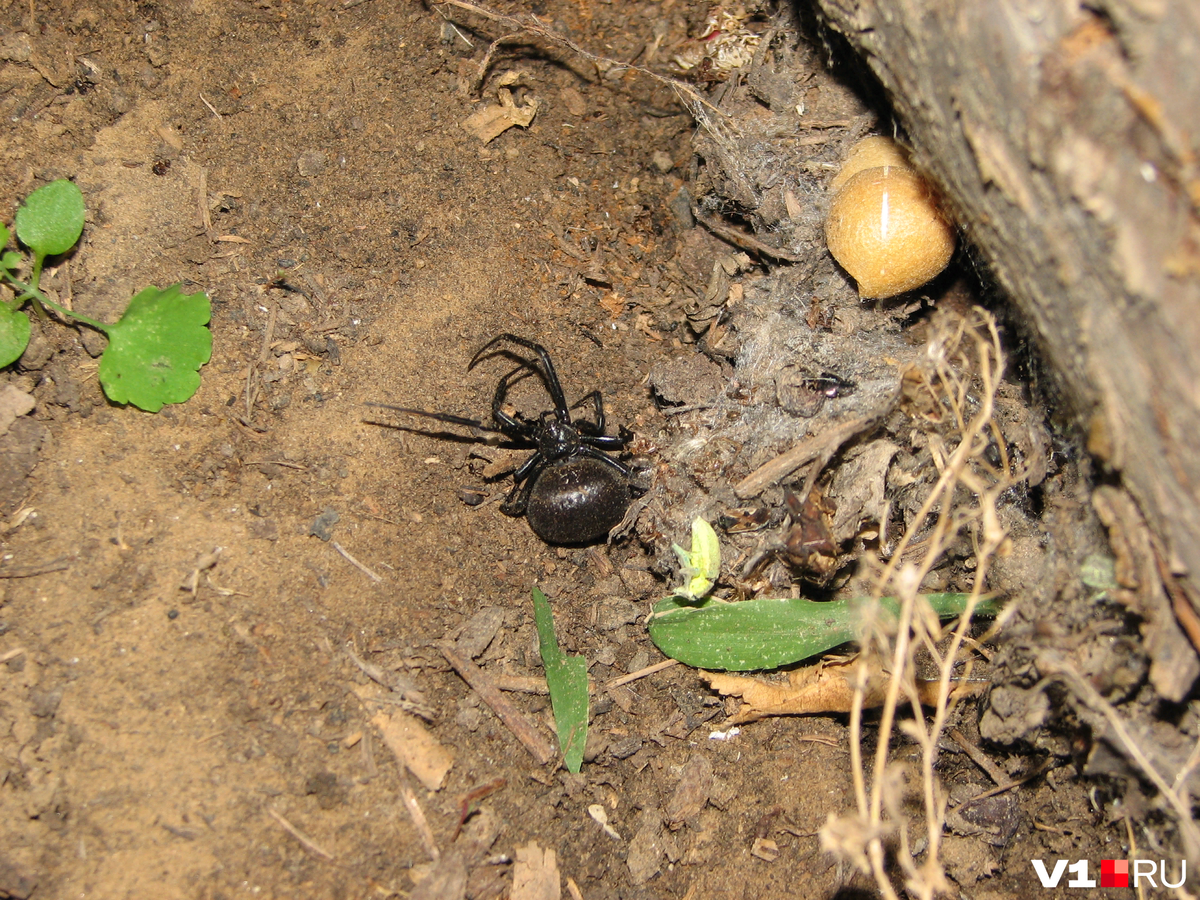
x: 766, y: 633
x: 566, y: 677
x: 154, y: 351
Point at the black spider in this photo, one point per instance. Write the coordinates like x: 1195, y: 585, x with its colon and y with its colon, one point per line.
x: 570, y: 490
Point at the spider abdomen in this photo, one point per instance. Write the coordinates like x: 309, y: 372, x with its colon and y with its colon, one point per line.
x: 577, y: 500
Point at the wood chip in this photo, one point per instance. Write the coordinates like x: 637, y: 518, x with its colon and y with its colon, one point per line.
x: 419, y: 751
x: 535, y: 874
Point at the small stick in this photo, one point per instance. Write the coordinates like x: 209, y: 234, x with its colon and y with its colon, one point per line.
x: 533, y: 25
x: 743, y: 240
x: 815, y: 447
x: 528, y: 684
x: 418, y: 817
x: 640, y: 673
x: 515, y: 720
x: 55, y: 565
x: 212, y: 109
x: 1009, y: 785
x: 308, y: 843
x: 264, y: 354
x: 354, y: 562
x: 978, y: 757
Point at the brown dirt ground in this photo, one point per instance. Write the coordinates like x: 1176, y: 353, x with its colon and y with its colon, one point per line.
x: 359, y: 246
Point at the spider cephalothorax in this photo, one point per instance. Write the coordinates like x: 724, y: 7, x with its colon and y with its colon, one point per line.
x: 570, y: 489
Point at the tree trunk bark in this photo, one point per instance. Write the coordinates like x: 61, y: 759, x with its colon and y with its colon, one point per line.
x: 1067, y: 138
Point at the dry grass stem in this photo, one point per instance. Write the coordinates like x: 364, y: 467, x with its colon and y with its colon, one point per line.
x: 529, y: 25
x: 955, y: 391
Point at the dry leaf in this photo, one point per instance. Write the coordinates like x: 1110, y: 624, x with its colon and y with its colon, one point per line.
x: 492, y: 121
x: 415, y: 747
x: 823, y: 688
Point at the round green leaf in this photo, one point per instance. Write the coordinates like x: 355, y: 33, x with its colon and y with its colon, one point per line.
x: 157, y: 348
x: 50, y: 220
x: 14, y: 334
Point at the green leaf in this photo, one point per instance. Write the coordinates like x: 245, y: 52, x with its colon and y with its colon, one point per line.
x: 701, y: 566
x: 1099, y: 572
x: 768, y: 633
x: 14, y: 334
x: 566, y: 677
x: 9, y: 259
x: 50, y: 220
x: 157, y: 348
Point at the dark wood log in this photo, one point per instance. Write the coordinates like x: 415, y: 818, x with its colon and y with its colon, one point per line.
x: 1067, y: 139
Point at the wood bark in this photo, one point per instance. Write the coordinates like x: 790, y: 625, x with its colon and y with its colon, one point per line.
x: 1067, y: 137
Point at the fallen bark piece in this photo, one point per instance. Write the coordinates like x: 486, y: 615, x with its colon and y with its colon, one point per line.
x: 823, y: 688
x: 535, y: 874
x: 418, y: 750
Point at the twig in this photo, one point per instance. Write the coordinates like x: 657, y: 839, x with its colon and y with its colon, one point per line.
x: 978, y: 757
x: 521, y: 684
x: 202, y: 202
x: 533, y: 25
x: 1009, y: 784
x: 264, y: 353
x: 1057, y: 667
x: 55, y: 565
x: 640, y: 673
x: 515, y: 720
x: 308, y: 843
x: 743, y: 240
x: 819, y: 446
x: 354, y: 562
x: 212, y: 109
x: 417, y: 814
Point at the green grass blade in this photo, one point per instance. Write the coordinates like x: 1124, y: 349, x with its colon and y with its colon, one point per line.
x: 768, y: 633
x: 566, y: 677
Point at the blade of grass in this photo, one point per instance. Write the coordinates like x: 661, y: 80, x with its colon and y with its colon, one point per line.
x: 768, y: 633
x: 566, y: 676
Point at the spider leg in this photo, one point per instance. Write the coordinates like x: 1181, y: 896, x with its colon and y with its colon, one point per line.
x: 596, y: 426
x: 608, y: 441
x: 590, y: 450
x: 510, y: 425
x: 523, y: 480
x: 549, y: 376
x: 442, y: 417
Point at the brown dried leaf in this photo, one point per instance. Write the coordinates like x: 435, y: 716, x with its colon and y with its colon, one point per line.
x: 492, y: 121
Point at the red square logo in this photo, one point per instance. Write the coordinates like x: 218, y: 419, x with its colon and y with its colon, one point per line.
x: 1114, y: 873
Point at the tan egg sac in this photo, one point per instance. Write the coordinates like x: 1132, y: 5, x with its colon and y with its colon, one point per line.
x: 886, y: 229
x: 870, y: 153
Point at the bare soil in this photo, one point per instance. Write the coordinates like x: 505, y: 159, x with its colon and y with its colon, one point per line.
x: 178, y: 706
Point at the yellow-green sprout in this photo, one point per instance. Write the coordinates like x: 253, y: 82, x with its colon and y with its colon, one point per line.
x: 702, y: 564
